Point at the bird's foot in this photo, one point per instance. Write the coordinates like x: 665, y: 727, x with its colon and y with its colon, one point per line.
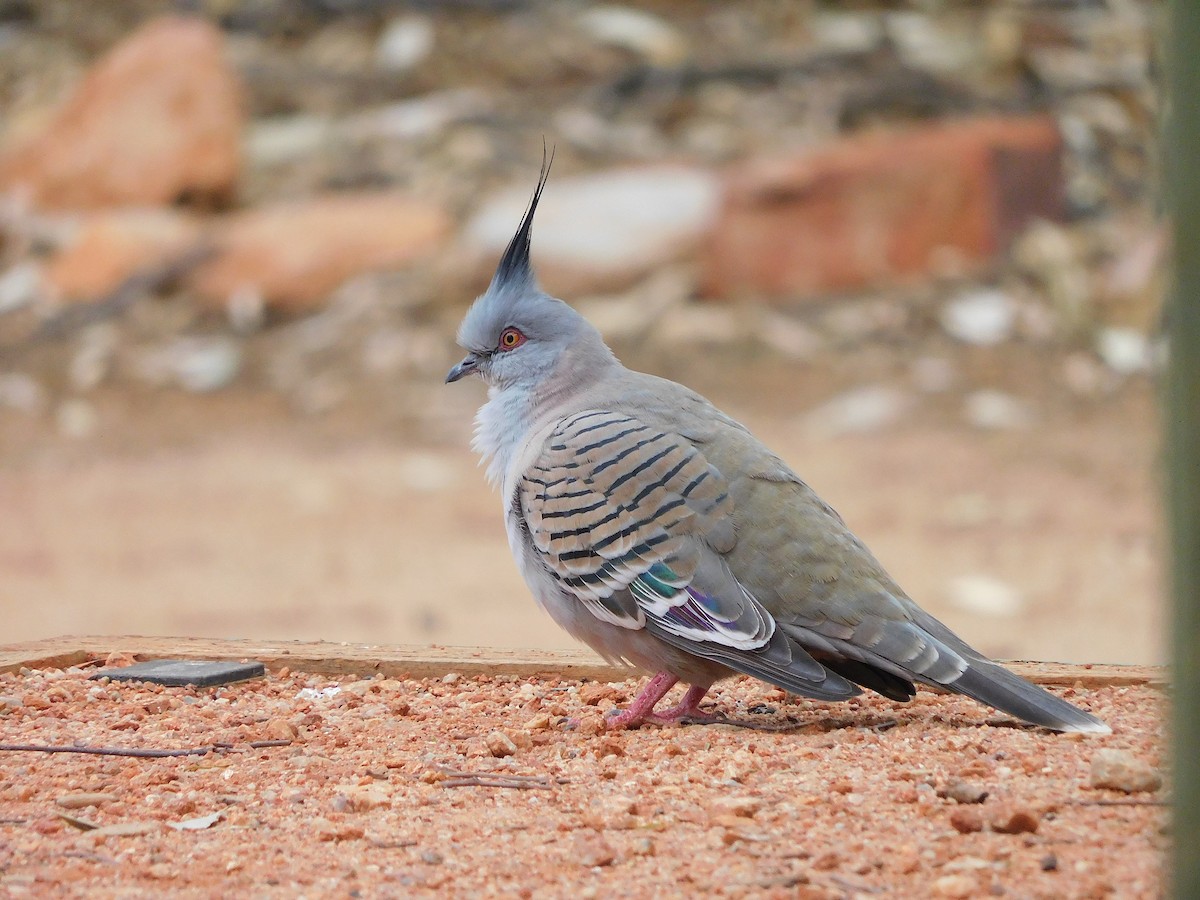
x: 641, y: 710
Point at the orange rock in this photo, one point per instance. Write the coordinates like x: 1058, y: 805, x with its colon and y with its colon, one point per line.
x: 114, y: 245
x: 294, y: 254
x: 883, y: 207
x: 159, y: 118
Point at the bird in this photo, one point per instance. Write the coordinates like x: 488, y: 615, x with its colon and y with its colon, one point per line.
x: 659, y: 531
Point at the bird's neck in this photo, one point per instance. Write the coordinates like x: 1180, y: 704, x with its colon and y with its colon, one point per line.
x: 512, y: 416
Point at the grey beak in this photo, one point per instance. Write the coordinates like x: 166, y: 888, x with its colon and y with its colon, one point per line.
x: 466, y: 367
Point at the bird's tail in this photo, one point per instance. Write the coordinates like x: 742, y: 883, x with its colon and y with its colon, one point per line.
x: 994, y: 685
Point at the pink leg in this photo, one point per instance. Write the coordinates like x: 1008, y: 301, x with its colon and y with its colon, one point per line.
x: 642, y: 708
x: 687, y: 712
x: 688, y: 708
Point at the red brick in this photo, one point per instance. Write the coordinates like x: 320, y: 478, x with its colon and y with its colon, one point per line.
x: 884, y: 207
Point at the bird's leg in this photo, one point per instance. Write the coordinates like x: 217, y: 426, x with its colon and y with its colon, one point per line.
x: 688, y: 708
x: 642, y: 708
x: 688, y: 712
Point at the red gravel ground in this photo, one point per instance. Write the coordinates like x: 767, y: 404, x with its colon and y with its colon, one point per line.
x: 511, y: 787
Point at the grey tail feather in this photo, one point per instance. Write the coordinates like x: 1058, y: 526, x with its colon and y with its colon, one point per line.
x: 994, y: 685
x: 514, y: 266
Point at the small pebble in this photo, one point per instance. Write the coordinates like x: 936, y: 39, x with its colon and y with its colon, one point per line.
x: 858, y: 411
x: 980, y: 317
x: 360, y: 798
x: 83, y: 799
x: 594, y: 692
x: 965, y: 820
x: 963, y: 791
x: 278, y: 729
x: 997, y: 411
x: 594, y: 851
x: 500, y: 744
x: 739, y: 807
x: 1119, y: 770
x: 955, y: 886
x: 984, y: 595
x: 406, y: 42
x: 643, y: 846
x: 1013, y: 820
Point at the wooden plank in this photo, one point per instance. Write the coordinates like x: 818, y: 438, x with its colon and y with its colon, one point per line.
x: 433, y: 661
x: 319, y: 657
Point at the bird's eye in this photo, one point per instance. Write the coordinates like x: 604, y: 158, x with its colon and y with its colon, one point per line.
x: 511, y: 338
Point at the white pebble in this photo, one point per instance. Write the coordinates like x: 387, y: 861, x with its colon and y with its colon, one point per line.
x: 1124, y: 350
x: 997, y: 411
x: 981, y: 317
x: 406, y: 42
x: 985, y: 596
x: 860, y: 410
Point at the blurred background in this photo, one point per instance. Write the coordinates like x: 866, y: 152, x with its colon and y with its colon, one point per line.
x: 913, y: 245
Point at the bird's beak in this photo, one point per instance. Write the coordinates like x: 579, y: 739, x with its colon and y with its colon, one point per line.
x: 466, y: 367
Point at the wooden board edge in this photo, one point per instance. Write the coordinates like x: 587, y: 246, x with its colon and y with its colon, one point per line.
x: 433, y: 661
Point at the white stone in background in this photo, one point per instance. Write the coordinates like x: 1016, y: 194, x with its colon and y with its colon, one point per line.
x: 787, y: 336
x: 76, y: 419
x: 405, y: 43
x: 997, y: 411
x: 981, y: 317
x: 92, y: 362
x: 20, y: 286
x: 284, y: 139
x: 693, y: 324
x: 932, y: 374
x: 847, y: 32
x: 638, y: 32
x: 1124, y: 350
x: 207, y: 364
x: 985, y: 596
x: 859, y: 410
x: 21, y: 392
x: 925, y: 42
x: 197, y: 364
x: 416, y: 118
x: 596, y: 134
x: 608, y: 222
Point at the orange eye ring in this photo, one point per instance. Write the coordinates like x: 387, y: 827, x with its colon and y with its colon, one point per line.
x: 510, y: 339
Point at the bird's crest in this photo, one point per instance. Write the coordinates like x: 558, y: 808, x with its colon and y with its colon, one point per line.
x: 514, y: 267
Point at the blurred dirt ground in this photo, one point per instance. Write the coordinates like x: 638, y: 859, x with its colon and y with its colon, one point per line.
x: 224, y: 516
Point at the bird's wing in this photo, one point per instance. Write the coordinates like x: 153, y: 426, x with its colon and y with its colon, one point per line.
x: 633, y: 521
x: 830, y: 595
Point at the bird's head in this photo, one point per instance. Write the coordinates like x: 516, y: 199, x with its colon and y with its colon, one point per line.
x: 518, y: 336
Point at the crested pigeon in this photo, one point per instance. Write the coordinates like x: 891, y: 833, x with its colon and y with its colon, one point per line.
x: 659, y: 531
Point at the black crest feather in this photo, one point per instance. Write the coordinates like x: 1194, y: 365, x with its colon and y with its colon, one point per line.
x: 514, y: 266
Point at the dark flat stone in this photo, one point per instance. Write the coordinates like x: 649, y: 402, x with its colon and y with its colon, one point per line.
x: 179, y: 672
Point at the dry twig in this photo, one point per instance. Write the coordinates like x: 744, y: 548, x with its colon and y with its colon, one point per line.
x: 144, y: 753
x: 456, y: 778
